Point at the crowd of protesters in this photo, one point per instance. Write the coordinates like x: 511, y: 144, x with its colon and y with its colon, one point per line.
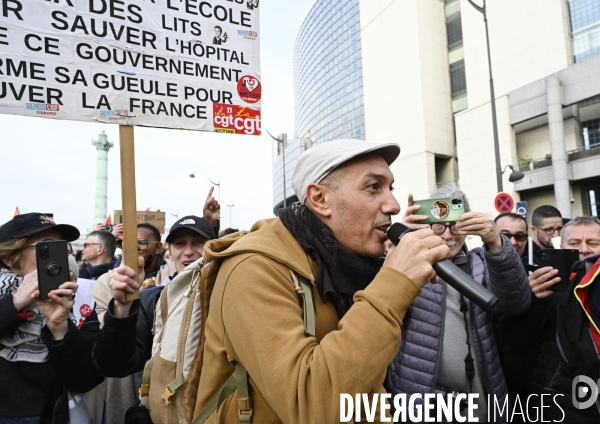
x: 383, y: 322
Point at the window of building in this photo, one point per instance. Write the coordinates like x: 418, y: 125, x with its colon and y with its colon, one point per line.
x: 456, y: 55
x: 458, y: 80
x: 589, y: 119
x: 593, y: 200
x: 585, y: 27
x: 454, y: 31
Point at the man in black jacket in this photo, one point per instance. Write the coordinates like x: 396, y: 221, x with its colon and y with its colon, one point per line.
x: 98, y: 253
x: 186, y: 243
x: 530, y: 338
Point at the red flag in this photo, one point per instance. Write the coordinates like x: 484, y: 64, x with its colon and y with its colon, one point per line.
x: 148, y: 210
x: 108, y: 220
x: 17, y: 212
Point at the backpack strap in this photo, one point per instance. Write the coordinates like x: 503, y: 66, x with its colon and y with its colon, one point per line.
x: 244, y: 401
x: 304, y: 290
x: 145, y: 386
x: 172, y: 388
x: 144, y: 389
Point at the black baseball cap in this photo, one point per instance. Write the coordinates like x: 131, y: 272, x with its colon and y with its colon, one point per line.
x: 194, y: 223
x: 29, y: 224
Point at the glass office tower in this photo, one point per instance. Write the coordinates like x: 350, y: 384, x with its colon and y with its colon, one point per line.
x: 328, y: 73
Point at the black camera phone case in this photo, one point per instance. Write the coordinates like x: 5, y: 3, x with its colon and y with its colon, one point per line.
x: 563, y: 260
x: 52, y: 265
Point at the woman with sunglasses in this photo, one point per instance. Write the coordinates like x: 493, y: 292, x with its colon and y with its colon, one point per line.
x: 42, y: 352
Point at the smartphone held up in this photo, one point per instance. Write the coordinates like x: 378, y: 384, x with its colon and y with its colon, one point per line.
x: 52, y: 265
x: 441, y: 210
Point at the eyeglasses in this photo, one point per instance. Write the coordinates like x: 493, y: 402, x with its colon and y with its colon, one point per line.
x: 549, y: 231
x: 439, y: 229
x: 143, y: 243
x: 85, y: 245
x: 517, y: 237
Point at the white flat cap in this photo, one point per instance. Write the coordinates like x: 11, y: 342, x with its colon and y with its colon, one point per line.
x: 317, y: 162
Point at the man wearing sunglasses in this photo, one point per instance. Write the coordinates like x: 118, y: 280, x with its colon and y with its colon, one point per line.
x: 514, y: 227
x: 98, y: 253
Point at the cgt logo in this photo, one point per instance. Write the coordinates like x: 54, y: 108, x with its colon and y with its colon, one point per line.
x: 585, y: 392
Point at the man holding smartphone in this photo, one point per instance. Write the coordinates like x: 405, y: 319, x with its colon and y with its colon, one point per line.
x: 453, y: 338
x: 531, y: 338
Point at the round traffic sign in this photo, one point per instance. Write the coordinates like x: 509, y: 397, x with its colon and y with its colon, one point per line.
x: 504, y: 203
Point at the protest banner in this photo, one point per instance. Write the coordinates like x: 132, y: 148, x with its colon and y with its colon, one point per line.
x: 185, y: 64
x: 156, y: 218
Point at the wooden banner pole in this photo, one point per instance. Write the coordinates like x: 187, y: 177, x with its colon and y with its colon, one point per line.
x: 130, y: 255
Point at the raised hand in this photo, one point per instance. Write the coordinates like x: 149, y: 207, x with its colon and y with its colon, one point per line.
x: 409, y: 219
x: 542, y: 280
x: 56, y: 308
x: 122, y: 281
x: 212, y: 209
x: 482, y: 225
x: 23, y: 297
x: 117, y: 230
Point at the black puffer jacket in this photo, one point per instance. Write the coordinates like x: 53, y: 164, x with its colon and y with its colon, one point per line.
x: 415, y: 367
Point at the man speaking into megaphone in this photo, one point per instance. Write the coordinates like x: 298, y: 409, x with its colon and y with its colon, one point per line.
x: 448, y: 345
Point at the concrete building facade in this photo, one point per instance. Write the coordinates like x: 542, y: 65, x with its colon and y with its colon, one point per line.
x: 423, y: 82
x: 426, y: 87
x: 328, y: 79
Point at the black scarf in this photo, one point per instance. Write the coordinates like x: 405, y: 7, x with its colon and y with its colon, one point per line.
x: 341, y: 272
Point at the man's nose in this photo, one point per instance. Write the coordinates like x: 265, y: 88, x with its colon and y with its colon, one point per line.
x: 390, y: 205
x: 513, y: 241
x: 447, y: 234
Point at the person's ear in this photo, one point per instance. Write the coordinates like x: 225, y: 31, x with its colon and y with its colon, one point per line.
x: 159, y: 247
x: 318, y: 199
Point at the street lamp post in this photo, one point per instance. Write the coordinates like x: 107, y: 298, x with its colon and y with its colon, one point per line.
x: 230, y: 206
x: 193, y: 175
x: 483, y: 11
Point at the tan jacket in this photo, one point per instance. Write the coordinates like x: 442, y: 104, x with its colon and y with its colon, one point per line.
x: 103, y: 293
x: 256, y: 319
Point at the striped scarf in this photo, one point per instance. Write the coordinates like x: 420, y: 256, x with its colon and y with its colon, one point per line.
x: 25, y: 344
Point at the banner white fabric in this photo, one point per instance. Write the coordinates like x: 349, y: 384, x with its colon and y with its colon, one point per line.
x: 188, y: 64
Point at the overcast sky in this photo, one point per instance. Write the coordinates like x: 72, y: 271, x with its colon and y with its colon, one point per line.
x: 50, y: 166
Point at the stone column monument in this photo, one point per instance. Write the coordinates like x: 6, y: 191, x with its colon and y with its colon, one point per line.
x: 102, y: 147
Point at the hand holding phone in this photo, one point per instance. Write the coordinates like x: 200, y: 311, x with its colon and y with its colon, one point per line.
x: 441, y: 210
x: 413, y: 215
x: 52, y: 266
x: 542, y: 280
x: 562, y: 260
